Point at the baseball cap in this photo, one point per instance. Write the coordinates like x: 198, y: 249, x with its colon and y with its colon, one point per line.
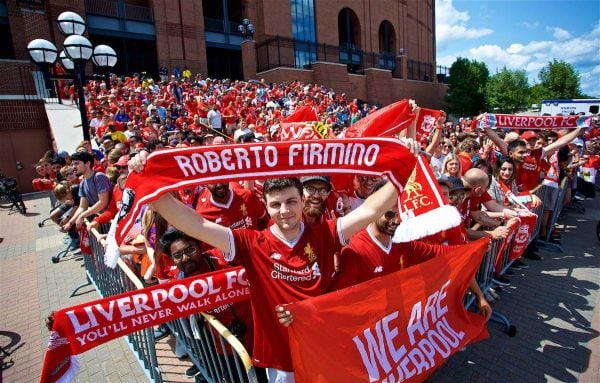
x: 325, y: 179
x: 528, y: 135
x: 454, y: 183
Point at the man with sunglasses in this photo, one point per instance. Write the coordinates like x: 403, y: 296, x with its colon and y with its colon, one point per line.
x: 186, y: 254
x: 364, y: 186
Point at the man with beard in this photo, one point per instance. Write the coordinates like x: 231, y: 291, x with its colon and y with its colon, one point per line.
x: 233, y: 208
x: 317, y: 190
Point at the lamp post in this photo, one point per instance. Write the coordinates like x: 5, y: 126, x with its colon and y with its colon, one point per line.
x: 78, y: 50
x: 246, y: 29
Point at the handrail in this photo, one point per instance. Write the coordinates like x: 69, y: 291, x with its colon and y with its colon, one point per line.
x: 231, y: 339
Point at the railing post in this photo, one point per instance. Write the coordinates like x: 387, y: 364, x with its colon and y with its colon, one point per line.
x: 278, y: 52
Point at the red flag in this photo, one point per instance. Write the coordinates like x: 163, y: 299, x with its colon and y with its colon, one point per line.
x: 309, y: 130
x: 517, y: 239
x: 304, y: 113
x: 426, y: 122
x: 385, y: 122
x: 397, y: 328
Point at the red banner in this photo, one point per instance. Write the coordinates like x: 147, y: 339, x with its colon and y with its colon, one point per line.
x: 398, y: 328
x: 171, y: 169
x: 426, y: 122
x: 294, y: 131
x: 517, y: 239
x: 491, y: 120
x: 304, y: 113
x: 386, y: 122
x: 80, y: 328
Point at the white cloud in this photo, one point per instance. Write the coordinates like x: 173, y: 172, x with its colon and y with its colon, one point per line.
x: 451, y: 24
x: 559, y: 33
x: 532, y: 25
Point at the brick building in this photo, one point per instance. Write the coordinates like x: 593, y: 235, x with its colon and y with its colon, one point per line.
x: 378, y: 51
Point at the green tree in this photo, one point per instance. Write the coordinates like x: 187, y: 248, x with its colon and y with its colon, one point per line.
x: 507, y: 91
x: 560, y: 80
x: 466, y: 87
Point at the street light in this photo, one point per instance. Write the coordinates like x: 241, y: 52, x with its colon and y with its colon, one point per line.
x: 105, y: 58
x: 78, y: 50
x: 246, y: 29
x: 43, y: 53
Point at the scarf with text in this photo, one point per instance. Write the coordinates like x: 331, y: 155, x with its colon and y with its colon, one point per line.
x: 170, y: 170
x: 80, y: 328
x: 495, y: 121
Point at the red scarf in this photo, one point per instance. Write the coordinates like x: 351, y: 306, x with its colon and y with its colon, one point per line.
x: 80, y: 328
x: 170, y: 170
x: 491, y: 120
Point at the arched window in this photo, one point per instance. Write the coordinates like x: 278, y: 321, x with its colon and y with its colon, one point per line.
x: 348, y: 29
x: 387, y: 37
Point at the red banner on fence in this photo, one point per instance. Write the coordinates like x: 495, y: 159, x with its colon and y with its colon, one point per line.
x: 400, y: 327
x: 80, y: 328
x: 516, y: 240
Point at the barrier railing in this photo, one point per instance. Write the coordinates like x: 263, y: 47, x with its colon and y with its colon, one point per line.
x: 201, y: 335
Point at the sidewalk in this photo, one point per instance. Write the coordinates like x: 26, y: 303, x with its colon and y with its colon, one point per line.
x: 31, y: 286
x: 554, y: 305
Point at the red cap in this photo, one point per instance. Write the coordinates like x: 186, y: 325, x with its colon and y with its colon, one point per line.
x: 123, y: 161
x: 528, y: 135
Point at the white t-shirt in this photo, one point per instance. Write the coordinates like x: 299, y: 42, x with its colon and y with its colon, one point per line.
x: 214, y: 119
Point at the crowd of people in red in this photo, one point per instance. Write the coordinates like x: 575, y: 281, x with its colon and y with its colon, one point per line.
x: 488, y: 175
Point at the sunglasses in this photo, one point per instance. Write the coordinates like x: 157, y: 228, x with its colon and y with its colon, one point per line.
x: 120, y: 167
x: 178, y: 256
x: 367, y: 179
x: 390, y: 215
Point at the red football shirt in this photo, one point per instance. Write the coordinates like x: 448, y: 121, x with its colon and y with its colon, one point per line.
x: 243, y: 210
x: 367, y: 258
x: 528, y: 173
x: 282, y: 272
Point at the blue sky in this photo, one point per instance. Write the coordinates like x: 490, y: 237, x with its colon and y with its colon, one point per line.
x: 523, y: 34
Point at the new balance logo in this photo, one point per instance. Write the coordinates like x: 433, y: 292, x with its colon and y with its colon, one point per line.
x: 378, y: 269
x: 276, y: 256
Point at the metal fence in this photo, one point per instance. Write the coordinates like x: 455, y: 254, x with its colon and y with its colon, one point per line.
x: 201, y: 335
x: 277, y: 51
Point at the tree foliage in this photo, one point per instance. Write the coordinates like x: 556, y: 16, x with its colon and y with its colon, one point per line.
x: 560, y: 80
x: 466, y: 87
x: 508, y: 91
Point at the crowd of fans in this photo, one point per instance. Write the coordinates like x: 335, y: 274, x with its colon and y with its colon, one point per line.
x: 487, y: 175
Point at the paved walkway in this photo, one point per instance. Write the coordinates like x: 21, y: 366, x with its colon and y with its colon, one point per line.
x: 31, y: 286
x: 554, y: 305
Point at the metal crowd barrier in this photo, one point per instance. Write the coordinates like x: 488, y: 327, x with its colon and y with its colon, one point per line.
x: 201, y: 335
x: 557, y: 208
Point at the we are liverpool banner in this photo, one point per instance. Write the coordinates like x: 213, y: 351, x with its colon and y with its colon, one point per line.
x: 170, y: 170
x: 397, y: 328
x: 494, y: 121
x: 80, y: 328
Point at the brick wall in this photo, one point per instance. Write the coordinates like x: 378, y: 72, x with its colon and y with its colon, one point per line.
x: 375, y: 87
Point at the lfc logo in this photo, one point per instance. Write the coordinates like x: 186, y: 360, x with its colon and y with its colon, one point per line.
x: 310, y: 253
x: 244, y: 210
x: 413, y: 196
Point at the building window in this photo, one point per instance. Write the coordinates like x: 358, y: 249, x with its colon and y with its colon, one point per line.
x: 304, y: 32
x: 387, y: 46
x: 7, y: 50
x: 348, y: 29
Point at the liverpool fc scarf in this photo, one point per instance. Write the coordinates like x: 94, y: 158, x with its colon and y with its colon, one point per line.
x: 80, y: 328
x: 494, y: 121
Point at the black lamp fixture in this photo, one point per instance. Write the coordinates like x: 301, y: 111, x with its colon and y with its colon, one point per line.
x: 246, y: 29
